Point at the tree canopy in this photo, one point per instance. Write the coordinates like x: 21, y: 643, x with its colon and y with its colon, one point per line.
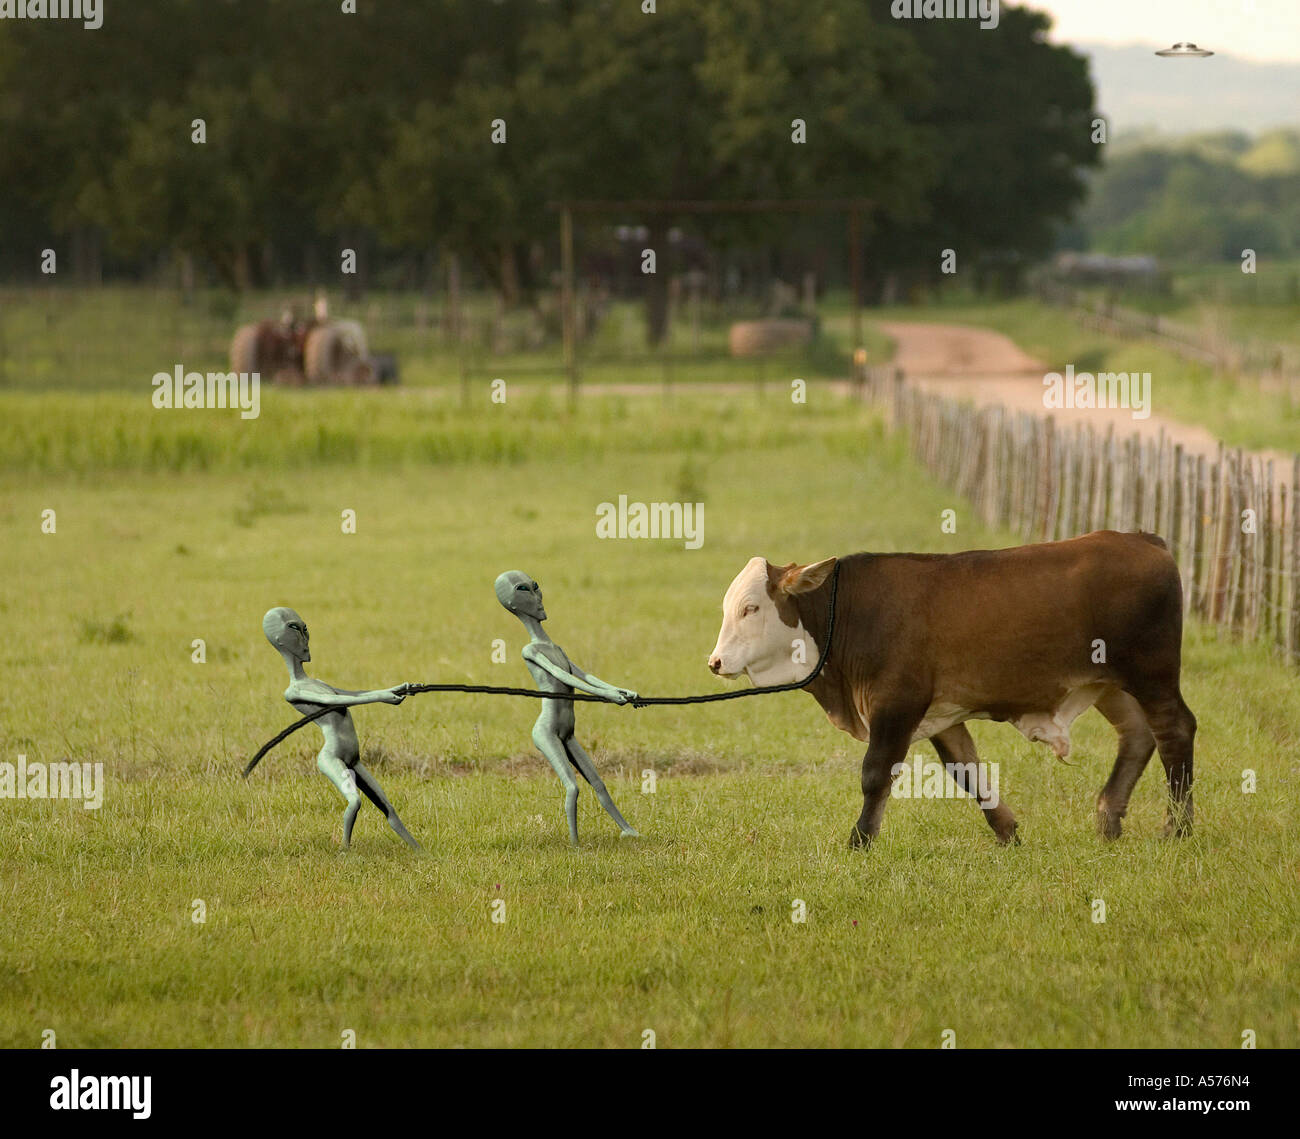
x: 379, y: 129
x: 1203, y: 198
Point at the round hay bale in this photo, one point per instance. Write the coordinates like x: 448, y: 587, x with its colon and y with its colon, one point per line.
x: 759, y: 337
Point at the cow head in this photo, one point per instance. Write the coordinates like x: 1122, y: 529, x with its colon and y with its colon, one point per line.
x: 761, y: 633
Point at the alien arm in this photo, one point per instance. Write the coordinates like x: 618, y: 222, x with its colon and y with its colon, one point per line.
x: 579, y: 679
x: 343, y: 697
x: 592, y: 679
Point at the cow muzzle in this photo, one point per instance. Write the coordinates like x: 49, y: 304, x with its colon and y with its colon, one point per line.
x: 716, y: 667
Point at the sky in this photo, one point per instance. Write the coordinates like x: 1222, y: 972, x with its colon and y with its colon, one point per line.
x: 1265, y: 31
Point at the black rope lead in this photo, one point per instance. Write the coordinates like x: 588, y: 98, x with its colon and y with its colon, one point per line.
x: 638, y: 702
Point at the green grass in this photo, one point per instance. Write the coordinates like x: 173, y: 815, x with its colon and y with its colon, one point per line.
x: 686, y: 932
x: 88, y: 435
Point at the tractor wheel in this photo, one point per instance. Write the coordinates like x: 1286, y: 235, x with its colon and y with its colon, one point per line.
x: 324, y: 355
x: 354, y: 337
x: 243, y: 350
x: 335, y: 354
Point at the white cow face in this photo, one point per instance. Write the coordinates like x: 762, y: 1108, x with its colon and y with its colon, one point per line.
x: 761, y: 633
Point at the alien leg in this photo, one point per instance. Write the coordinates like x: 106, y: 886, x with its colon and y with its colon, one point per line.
x: 548, y: 743
x: 587, y: 769
x: 336, y: 771
x: 372, y: 791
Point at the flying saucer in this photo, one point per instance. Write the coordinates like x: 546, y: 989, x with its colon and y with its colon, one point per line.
x: 1184, y: 49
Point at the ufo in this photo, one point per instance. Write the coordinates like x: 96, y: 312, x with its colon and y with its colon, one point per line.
x: 1184, y: 49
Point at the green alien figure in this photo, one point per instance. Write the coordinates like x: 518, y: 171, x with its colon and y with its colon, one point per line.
x: 340, y: 758
x: 554, y: 672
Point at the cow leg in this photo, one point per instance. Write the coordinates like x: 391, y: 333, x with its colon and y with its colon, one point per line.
x: 1174, y: 728
x: 1136, y: 743
x: 956, y: 749
x: 891, y: 735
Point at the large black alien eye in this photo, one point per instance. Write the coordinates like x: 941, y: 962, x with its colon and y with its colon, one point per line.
x: 523, y: 587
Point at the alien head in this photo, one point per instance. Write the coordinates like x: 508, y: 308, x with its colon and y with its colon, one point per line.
x: 521, y: 595
x: 287, y: 632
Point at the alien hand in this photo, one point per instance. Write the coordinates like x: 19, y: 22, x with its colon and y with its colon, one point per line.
x: 402, y: 689
x: 393, y: 696
x: 626, y: 695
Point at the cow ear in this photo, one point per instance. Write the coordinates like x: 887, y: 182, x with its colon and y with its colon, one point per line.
x: 804, y: 579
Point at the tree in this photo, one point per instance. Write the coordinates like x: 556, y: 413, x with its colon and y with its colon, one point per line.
x: 328, y: 129
x: 699, y: 101
x: 1013, y: 115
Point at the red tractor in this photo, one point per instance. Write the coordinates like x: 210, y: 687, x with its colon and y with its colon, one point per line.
x: 317, y: 353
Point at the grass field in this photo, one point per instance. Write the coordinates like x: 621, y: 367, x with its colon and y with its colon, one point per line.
x: 1265, y: 304
x: 183, y: 527
x: 105, y: 341
x: 116, y: 339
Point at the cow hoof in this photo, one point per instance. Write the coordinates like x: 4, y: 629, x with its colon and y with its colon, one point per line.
x: 858, y: 840
x: 1108, y: 825
x: 1176, y: 830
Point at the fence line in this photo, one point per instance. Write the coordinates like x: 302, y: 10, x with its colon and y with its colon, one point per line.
x: 1232, y: 525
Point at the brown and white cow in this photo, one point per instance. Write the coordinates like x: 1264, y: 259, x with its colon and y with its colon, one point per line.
x: 1033, y: 635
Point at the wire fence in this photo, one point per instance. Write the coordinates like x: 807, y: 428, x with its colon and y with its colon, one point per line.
x: 1241, y: 355
x: 1232, y: 521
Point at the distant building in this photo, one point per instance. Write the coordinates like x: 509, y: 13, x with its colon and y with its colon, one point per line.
x: 1136, y: 270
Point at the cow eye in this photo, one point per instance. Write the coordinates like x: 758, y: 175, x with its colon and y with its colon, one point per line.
x: 749, y: 609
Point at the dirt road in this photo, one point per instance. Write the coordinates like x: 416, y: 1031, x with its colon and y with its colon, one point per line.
x: 986, y: 367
